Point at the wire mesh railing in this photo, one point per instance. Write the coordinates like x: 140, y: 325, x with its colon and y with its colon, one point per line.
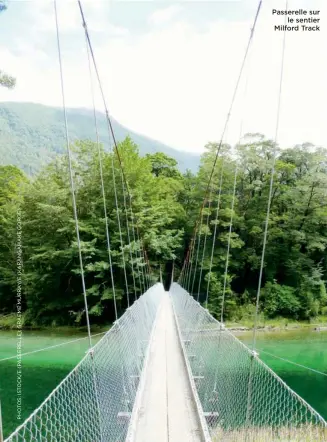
x: 94, y: 402
x: 241, y: 397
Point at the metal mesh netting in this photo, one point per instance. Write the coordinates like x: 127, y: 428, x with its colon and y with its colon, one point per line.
x: 241, y: 397
x: 94, y: 402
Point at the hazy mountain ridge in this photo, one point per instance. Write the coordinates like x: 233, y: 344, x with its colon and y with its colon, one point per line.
x: 32, y: 134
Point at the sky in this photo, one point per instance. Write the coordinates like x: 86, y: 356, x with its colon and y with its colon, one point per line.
x: 169, y: 69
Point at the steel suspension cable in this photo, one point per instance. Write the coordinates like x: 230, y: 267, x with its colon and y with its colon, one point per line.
x: 294, y: 363
x: 95, y: 383
x: 129, y: 237
x: 254, y: 353
x: 182, y: 276
x: 100, y: 86
x: 232, y: 102
x: 110, y: 127
x: 196, y: 235
x: 119, y: 225
x: 147, y: 265
x: 137, y: 253
x: 211, y: 262
x: 102, y: 186
x: 110, y: 130
x: 228, y: 247
x: 229, y: 239
x: 215, y: 230
x: 71, y: 178
x: 141, y: 256
x: 186, y: 266
x: 270, y: 187
x: 197, y: 252
x: 205, y: 238
x: 204, y: 245
x: 142, y: 263
x: 193, y: 242
x: 190, y: 257
x: 127, y: 222
x: 196, y: 257
x: 190, y: 251
x: 233, y: 203
x: 51, y: 347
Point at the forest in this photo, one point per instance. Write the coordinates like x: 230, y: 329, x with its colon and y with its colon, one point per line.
x: 165, y: 206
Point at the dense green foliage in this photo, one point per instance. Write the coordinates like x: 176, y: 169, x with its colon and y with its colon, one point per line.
x: 52, y: 285
x: 31, y: 135
x: 166, y: 204
x: 295, y: 264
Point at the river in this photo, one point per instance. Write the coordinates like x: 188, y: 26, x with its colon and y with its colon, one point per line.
x: 42, y: 371
x: 304, y: 347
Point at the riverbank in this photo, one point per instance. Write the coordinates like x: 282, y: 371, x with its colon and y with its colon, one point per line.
x: 9, y: 322
x: 278, y: 324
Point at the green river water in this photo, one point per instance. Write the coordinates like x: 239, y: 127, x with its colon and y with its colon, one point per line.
x: 42, y: 371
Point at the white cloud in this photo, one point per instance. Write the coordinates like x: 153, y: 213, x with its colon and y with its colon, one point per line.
x: 118, y: 31
x: 175, y: 83
x: 42, y: 15
x: 164, y: 15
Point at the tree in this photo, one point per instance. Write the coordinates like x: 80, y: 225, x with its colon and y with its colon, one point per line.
x: 163, y: 165
x: 3, y: 5
x: 162, y: 205
x: 13, y: 184
x: 52, y: 290
x: 5, y: 79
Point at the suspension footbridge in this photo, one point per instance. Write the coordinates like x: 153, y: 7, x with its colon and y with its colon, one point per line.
x: 167, y: 370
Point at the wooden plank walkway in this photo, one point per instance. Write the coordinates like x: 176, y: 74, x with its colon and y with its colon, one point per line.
x: 166, y: 410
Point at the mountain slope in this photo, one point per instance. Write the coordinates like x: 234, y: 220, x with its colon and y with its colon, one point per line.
x: 32, y: 134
